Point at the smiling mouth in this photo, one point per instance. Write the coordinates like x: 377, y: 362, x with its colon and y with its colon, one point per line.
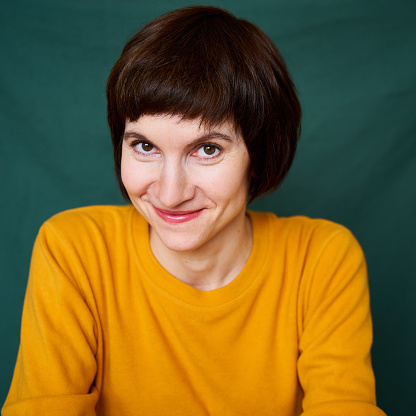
x: 176, y: 217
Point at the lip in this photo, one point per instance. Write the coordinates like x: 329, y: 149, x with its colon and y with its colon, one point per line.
x: 177, y: 217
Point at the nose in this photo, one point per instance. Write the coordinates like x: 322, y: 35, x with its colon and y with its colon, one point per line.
x: 173, y: 186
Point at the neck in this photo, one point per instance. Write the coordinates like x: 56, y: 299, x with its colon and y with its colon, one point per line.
x: 211, y: 266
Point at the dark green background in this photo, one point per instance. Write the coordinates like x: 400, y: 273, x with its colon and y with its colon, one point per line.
x: 354, y: 65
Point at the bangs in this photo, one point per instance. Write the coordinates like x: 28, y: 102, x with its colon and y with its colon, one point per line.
x: 185, y: 87
x: 197, y: 73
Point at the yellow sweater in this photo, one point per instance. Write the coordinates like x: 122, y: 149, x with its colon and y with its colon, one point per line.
x: 107, y: 331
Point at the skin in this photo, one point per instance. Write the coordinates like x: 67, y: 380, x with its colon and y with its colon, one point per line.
x: 191, y: 185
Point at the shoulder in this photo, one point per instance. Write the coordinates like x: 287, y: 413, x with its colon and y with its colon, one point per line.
x: 84, y: 238
x: 86, y: 222
x: 297, y: 224
x: 302, y: 233
x: 98, y: 215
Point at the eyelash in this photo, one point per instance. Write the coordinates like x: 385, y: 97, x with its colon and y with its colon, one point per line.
x: 218, y: 149
x: 134, y: 145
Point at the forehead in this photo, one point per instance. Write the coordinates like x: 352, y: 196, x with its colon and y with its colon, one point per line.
x: 165, y: 125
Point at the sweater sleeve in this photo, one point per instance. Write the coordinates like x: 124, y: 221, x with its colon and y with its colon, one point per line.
x: 56, y: 365
x: 334, y: 365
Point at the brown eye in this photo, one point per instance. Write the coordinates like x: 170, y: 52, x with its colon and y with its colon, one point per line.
x: 209, y: 150
x: 146, y: 147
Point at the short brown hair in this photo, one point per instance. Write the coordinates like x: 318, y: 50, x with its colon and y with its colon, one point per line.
x: 203, y: 62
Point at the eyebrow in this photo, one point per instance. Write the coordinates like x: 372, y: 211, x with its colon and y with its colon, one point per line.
x: 199, y: 140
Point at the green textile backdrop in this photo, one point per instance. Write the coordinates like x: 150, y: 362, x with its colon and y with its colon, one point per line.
x: 354, y: 63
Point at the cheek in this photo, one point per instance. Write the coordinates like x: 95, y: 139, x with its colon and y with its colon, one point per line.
x: 237, y: 177
x: 133, y: 176
x: 224, y: 183
x: 236, y: 185
x: 126, y: 174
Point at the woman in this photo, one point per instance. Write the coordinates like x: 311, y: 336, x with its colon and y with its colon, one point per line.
x: 184, y: 303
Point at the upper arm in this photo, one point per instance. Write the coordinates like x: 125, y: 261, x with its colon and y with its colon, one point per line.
x: 56, y: 364
x: 334, y: 364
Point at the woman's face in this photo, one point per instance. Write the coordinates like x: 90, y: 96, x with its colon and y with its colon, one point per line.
x: 190, y: 183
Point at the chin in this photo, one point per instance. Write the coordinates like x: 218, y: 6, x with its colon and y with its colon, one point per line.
x: 180, y: 244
